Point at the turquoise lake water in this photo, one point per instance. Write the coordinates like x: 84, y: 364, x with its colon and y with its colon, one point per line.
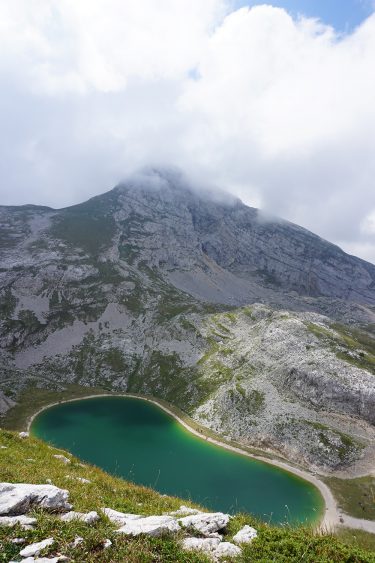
x: 138, y: 441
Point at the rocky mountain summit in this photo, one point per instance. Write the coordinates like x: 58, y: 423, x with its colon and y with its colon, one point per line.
x: 258, y: 328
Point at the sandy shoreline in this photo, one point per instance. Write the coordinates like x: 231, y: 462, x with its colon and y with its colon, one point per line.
x: 331, y: 517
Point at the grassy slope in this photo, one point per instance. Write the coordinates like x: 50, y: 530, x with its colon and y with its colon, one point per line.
x: 30, y: 460
x: 355, y: 496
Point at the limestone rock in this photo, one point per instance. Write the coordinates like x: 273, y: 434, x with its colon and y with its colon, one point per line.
x: 62, y: 458
x: 184, y: 511
x: 89, y: 518
x: 245, y: 535
x: 205, y: 523
x: 107, y: 543
x: 36, y: 548
x: 19, y: 498
x: 150, y: 525
x: 120, y: 518
x: 11, y: 521
x: 77, y: 541
x: 227, y: 549
x: 207, y: 545
x: 23, y: 434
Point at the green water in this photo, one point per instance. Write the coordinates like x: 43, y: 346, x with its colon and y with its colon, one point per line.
x: 138, y: 441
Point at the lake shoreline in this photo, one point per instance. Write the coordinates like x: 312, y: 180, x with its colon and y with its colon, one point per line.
x: 330, y: 519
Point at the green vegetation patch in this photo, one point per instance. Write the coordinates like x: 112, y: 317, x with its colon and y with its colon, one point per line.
x: 31, y: 461
x: 354, y: 346
x: 355, y: 496
x: 33, y: 399
x: 80, y: 226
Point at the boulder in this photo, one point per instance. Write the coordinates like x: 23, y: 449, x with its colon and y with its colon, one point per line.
x: 206, y: 523
x: 23, y: 434
x: 62, y: 458
x: 227, y: 549
x: 207, y: 545
x: 25, y: 522
x: 19, y: 498
x: 36, y: 548
x: 184, y: 511
x: 88, y: 518
x: 245, y: 535
x: 119, y: 518
x: 150, y: 525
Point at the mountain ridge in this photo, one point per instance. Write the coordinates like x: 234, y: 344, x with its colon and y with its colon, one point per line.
x: 156, y: 289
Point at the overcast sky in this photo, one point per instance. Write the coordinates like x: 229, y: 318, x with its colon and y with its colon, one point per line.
x: 275, y: 104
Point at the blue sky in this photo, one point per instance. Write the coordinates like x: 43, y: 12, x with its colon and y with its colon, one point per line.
x: 343, y: 15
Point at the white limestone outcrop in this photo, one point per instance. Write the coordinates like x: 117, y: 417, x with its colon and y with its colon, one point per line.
x: 206, y: 523
x: 226, y: 549
x: 25, y: 522
x: 184, y: 511
x: 36, y: 548
x: 88, y: 518
x: 19, y: 498
x: 150, y: 525
x: 245, y: 535
x: 207, y: 545
x: 119, y: 518
x: 62, y: 458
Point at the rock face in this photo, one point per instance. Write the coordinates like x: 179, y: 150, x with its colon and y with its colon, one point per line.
x: 123, y: 292
x: 5, y: 403
x: 19, y: 498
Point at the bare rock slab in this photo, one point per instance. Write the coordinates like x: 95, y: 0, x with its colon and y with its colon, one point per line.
x: 19, y: 498
x: 150, y: 525
x: 36, y: 548
x: 119, y: 518
x: 245, y: 535
x: 205, y: 523
x: 227, y: 549
x: 88, y: 518
x: 25, y: 522
x: 207, y: 545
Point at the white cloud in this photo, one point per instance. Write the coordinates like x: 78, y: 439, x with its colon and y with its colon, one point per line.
x: 280, y: 112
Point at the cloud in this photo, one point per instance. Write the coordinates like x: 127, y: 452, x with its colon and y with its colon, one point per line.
x: 278, y: 111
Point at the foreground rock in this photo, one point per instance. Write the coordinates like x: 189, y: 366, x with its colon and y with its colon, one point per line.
x: 88, y: 518
x: 150, y: 525
x: 62, y: 458
x: 245, y: 535
x: 25, y: 522
x: 205, y: 523
x: 184, y: 511
x: 36, y: 548
x: 213, y: 547
x: 119, y: 518
x: 19, y: 498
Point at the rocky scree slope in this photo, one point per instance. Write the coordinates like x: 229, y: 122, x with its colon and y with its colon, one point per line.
x: 122, y: 292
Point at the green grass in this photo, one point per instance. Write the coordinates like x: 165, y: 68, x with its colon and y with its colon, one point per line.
x: 355, y: 496
x: 357, y: 537
x: 33, y: 399
x: 351, y: 345
x: 31, y: 461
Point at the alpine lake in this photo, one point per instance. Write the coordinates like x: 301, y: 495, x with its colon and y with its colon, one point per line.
x: 138, y: 441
